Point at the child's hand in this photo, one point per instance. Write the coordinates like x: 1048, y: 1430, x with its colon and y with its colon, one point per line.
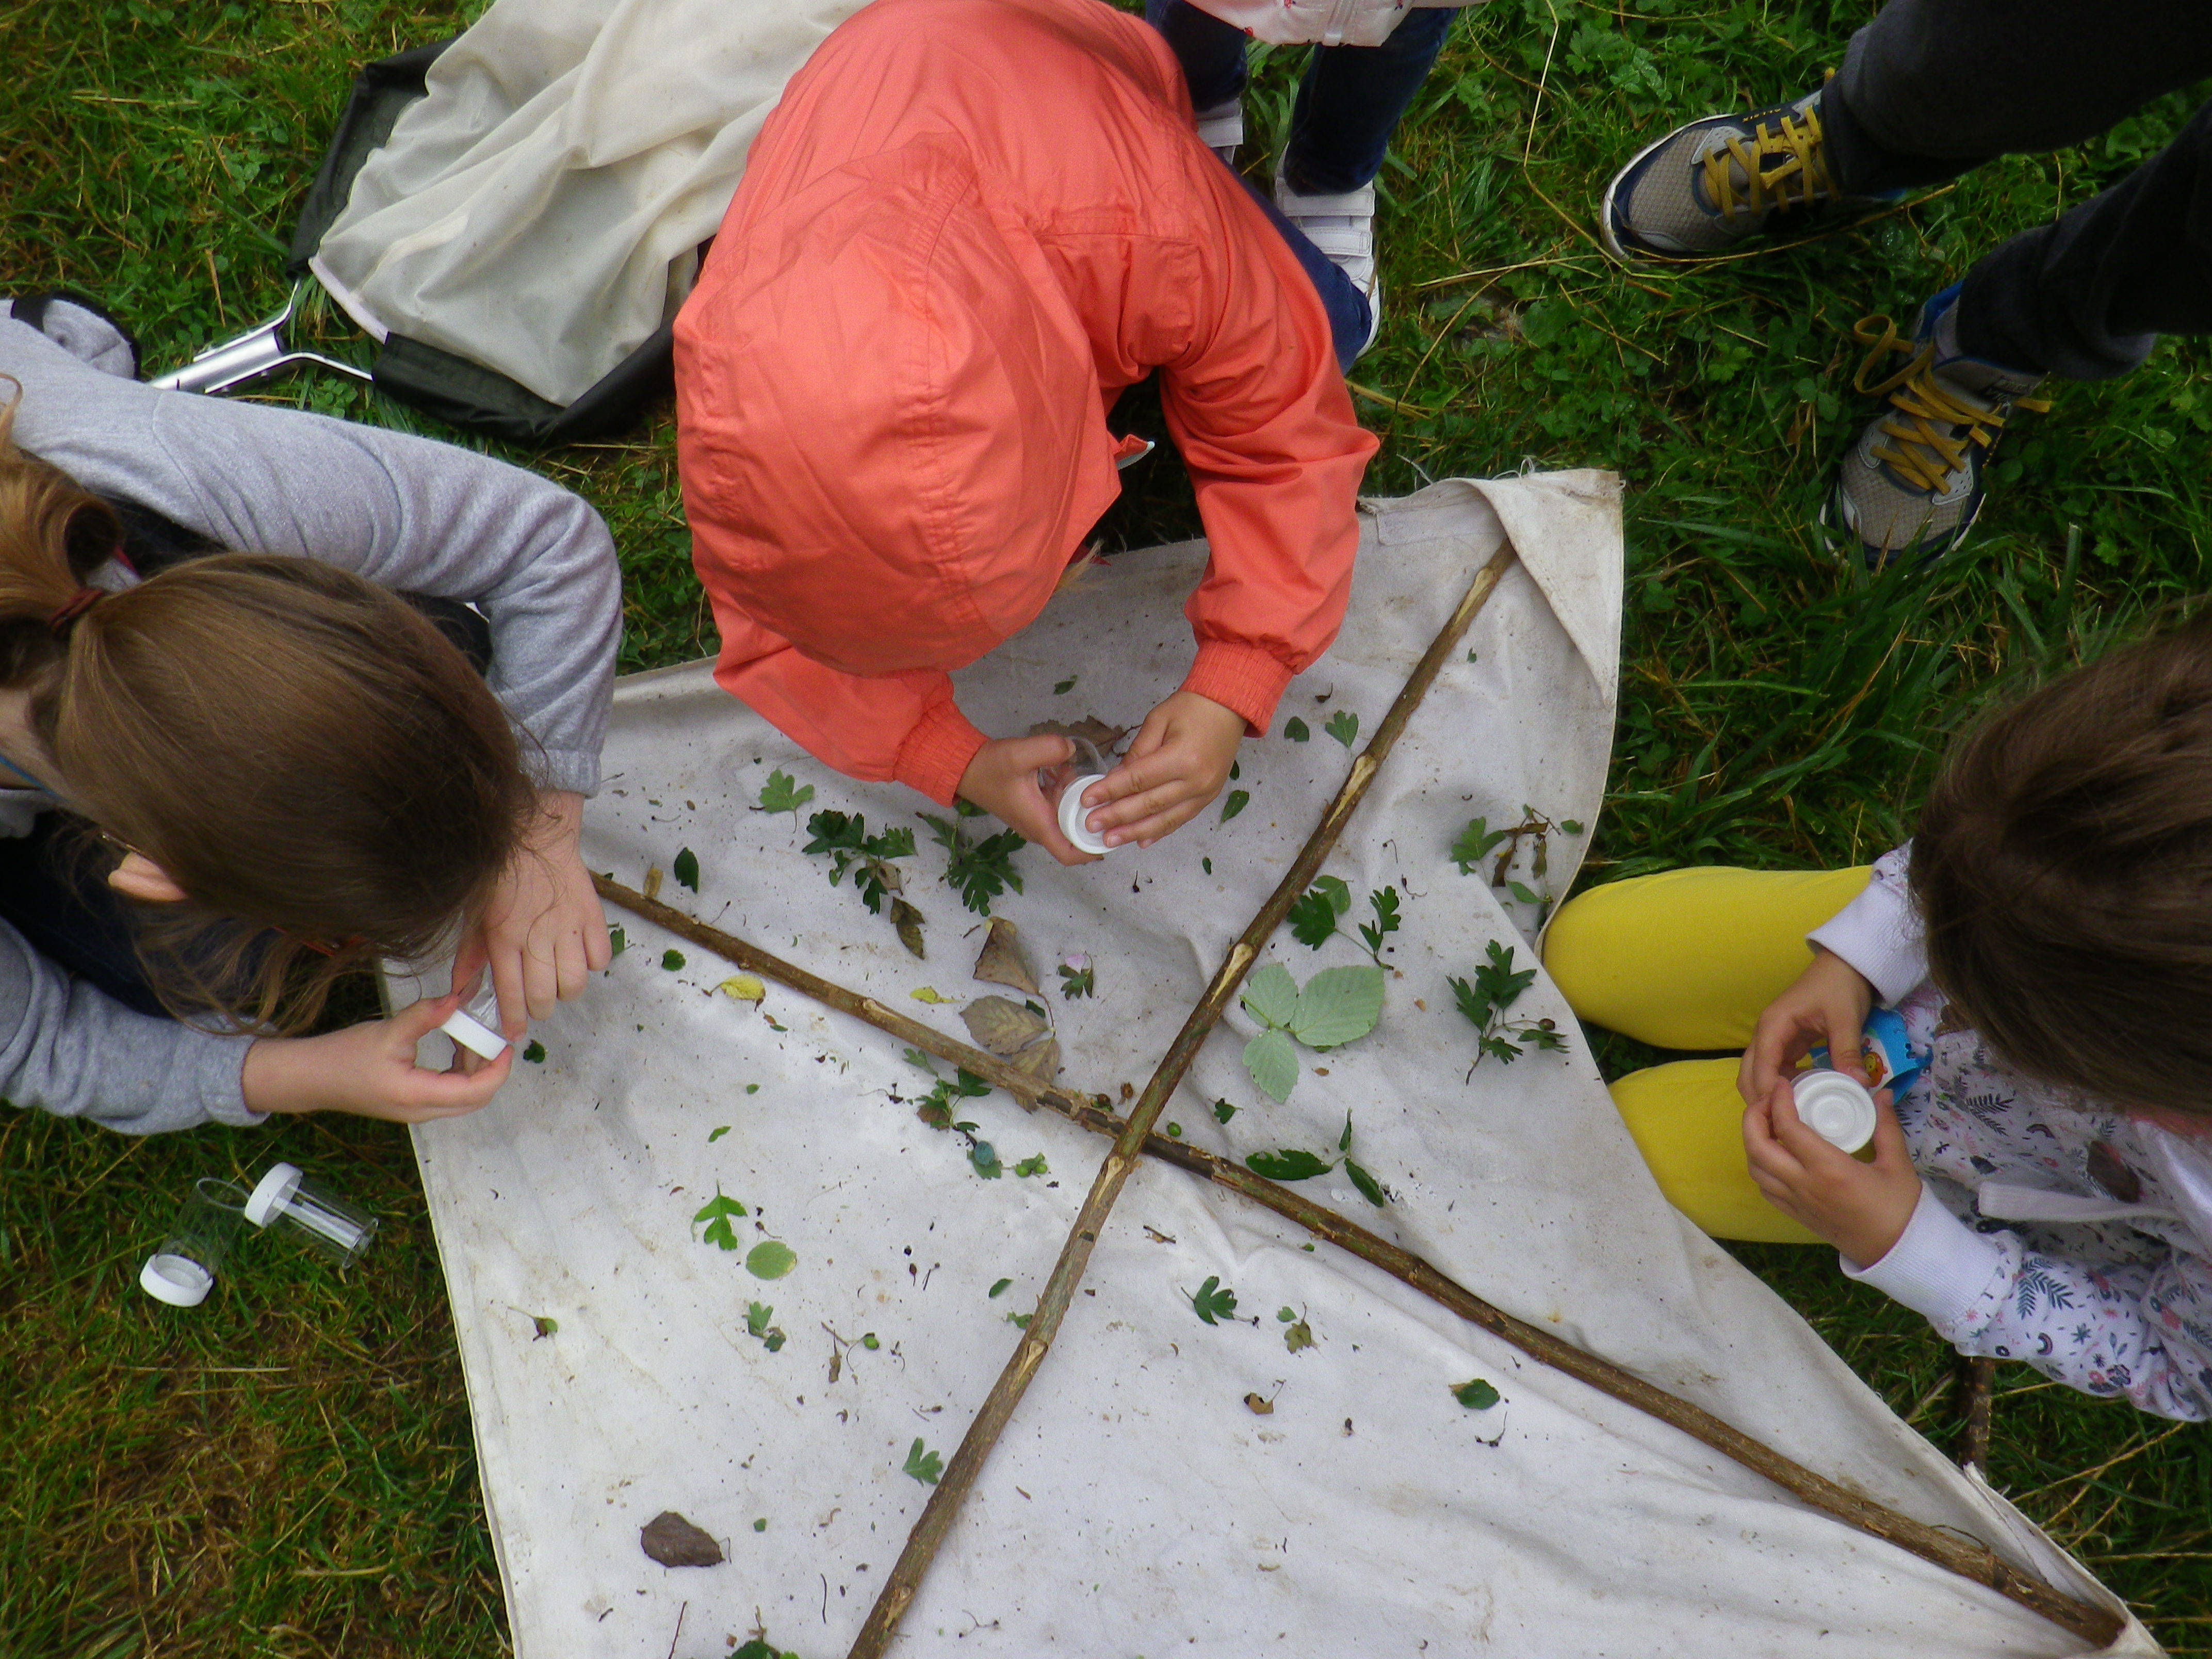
x: 1002, y: 781
x: 543, y: 931
x: 1176, y: 764
x: 1828, y: 1004
x: 1860, y: 1208
x: 369, y: 1070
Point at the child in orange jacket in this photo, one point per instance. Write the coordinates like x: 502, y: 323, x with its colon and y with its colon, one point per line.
x: 967, y: 228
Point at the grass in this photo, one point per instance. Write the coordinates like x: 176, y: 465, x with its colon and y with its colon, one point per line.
x: 288, y: 1472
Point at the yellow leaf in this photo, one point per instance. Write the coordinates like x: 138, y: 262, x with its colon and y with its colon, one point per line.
x: 929, y: 994
x: 743, y: 988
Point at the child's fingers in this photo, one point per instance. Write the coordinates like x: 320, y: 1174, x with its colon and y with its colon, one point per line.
x: 1844, y: 1029
x: 448, y: 1094
x: 571, y: 966
x: 1891, y: 1150
x: 1764, y: 1150
x: 420, y: 1018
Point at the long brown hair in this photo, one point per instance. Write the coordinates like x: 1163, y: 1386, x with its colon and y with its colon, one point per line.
x: 2062, y: 869
x: 314, y: 765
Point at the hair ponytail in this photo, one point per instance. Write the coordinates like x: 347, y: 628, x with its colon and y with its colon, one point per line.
x: 316, y: 767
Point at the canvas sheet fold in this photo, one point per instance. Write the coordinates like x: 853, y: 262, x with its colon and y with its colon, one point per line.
x: 1137, y: 1504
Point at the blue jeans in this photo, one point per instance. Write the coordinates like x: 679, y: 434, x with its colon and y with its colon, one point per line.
x: 1350, y: 319
x: 1348, y: 105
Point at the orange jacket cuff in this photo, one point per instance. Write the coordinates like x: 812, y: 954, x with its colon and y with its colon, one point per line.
x: 1240, y: 677
x: 935, y: 754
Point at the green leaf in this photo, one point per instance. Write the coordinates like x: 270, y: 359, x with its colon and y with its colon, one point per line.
x: 771, y: 1259
x: 1237, y: 801
x: 1300, y: 1335
x: 685, y: 868
x: 546, y: 1326
x: 1338, y: 1005
x: 535, y: 1054
x: 1020, y: 1321
x: 1208, y: 864
x: 671, y: 960
x: 779, y: 795
x: 757, y: 1316
x: 923, y: 1061
x: 1213, y: 1302
x: 715, y: 1134
x: 985, y: 1158
x: 1476, y: 1395
x: 1296, y: 730
x: 1370, y: 1188
x: 869, y: 1341
x: 1287, y: 1315
x: 999, y: 1287
x: 1065, y: 685
x: 1174, y: 1132
x: 1272, y: 1061
x: 1313, y: 920
x: 717, y: 1214
x: 1291, y: 1163
x: 1343, y: 726
x: 1520, y: 890
x: 1339, y: 895
x: 1344, y: 1140
x: 1570, y: 826
x: 760, y: 1525
x: 1474, y: 843
x: 924, y: 1465
x: 1472, y: 1003
x: 1223, y: 1111
x: 617, y: 942
x: 1271, y: 995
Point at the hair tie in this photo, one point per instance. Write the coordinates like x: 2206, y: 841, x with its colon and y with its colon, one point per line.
x: 75, y: 605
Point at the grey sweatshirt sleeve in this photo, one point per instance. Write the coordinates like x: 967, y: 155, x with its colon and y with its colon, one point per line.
x: 403, y: 512
x: 73, y: 1051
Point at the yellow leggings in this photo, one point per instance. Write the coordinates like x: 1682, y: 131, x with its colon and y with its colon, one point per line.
x: 1686, y: 960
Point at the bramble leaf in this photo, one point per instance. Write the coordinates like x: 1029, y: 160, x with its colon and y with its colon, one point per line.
x: 1338, y: 1005
x: 1271, y: 995
x: 1274, y: 1063
x: 771, y: 1259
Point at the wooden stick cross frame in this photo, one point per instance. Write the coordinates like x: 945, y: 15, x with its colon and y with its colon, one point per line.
x: 1132, y: 1136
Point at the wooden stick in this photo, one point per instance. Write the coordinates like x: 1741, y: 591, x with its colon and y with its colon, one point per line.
x: 998, y: 1407
x: 1977, y: 1378
x: 1945, y: 1548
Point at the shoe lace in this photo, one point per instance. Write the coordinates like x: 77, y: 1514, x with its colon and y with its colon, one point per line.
x: 1931, y: 427
x: 1782, y: 167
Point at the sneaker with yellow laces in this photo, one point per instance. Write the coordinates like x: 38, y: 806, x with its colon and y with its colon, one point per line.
x: 1912, y: 482
x: 1705, y: 187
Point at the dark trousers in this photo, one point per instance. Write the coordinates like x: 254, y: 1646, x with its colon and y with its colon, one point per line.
x: 1348, y: 105
x: 1350, y: 314
x: 1932, y: 89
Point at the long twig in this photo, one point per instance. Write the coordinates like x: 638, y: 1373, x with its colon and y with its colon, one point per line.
x: 1945, y: 1548
x: 998, y: 1407
x: 1977, y: 1376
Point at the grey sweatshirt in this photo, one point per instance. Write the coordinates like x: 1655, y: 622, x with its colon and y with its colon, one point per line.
x: 405, y: 513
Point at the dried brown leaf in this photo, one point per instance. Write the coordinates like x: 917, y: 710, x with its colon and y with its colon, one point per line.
x: 1002, y: 1025
x: 653, y: 883
x: 670, y: 1539
x: 1039, y: 1059
x: 1001, y: 961
x: 1258, y: 1406
x: 908, y: 920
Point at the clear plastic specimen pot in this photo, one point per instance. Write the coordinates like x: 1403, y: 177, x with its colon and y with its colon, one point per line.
x: 329, y: 1224
x: 1064, y: 784
x: 475, y: 1024
x: 183, y: 1270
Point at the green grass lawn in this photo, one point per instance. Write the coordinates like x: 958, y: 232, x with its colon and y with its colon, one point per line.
x: 288, y: 1472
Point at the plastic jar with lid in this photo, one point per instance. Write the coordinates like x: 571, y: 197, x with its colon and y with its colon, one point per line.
x: 1063, y: 786
x: 197, y: 1245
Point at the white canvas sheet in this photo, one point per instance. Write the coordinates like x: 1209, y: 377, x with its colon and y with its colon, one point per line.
x: 1136, y: 1505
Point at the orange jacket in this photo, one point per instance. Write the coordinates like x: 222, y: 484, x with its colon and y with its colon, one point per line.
x: 968, y: 225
